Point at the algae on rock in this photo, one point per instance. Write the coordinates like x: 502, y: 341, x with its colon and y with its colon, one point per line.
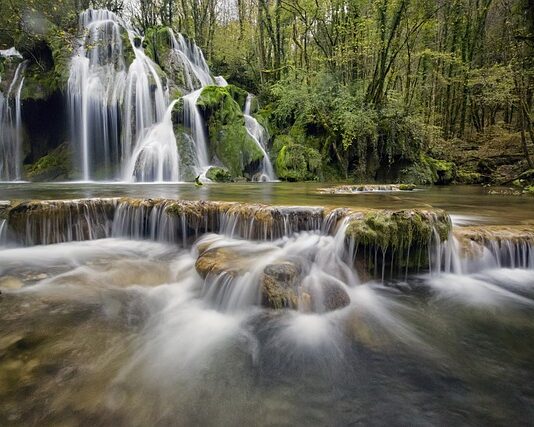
x: 55, y: 165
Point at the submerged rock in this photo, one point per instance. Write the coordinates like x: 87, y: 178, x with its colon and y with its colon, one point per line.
x: 367, y: 188
x: 281, y: 286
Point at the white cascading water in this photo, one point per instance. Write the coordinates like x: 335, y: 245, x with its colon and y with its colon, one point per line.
x: 197, y: 76
x: 258, y: 133
x: 96, y: 87
x: 11, y: 124
x: 155, y: 157
x: 121, y: 115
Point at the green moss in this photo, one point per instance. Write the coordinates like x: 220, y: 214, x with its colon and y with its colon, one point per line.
x: 55, y: 165
x: 157, y: 43
x: 466, y: 177
x: 218, y: 174
x: 239, y: 95
x: 296, y: 162
x: 43, y: 78
x: 399, y: 233
x: 444, y: 172
x: 530, y: 190
x: 407, y: 187
x: 229, y: 139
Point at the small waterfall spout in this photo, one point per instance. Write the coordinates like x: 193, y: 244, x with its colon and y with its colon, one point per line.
x: 258, y: 133
x: 11, y: 126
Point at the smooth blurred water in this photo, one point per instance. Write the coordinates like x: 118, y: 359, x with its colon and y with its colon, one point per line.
x: 471, y: 204
x: 125, y: 332
x: 120, y: 332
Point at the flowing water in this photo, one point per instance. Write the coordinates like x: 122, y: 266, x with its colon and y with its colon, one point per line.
x: 259, y: 134
x: 120, y: 113
x: 11, y: 124
x: 121, y: 329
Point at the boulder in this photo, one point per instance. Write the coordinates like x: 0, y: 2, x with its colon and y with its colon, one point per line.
x: 218, y: 174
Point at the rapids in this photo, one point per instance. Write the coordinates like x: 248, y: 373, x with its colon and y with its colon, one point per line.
x: 116, y: 311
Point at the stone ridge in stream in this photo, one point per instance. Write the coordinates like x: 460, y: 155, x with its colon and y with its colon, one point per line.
x: 376, y: 239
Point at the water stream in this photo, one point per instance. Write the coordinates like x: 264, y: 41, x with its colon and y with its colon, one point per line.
x: 258, y: 133
x: 11, y: 124
x: 119, y: 323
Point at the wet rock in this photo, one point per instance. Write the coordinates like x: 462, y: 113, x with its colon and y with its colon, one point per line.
x: 333, y: 297
x: 10, y: 282
x: 280, y: 285
x: 218, y: 260
x: 400, y: 239
x: 496, y: 233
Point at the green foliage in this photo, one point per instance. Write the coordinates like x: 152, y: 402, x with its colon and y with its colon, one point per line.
x: 218, y: 174
x: 296, y: 162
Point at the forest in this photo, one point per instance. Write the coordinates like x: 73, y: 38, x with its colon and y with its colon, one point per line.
x: 426, y: 92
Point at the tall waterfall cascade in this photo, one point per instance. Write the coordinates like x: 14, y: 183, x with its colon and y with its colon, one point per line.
x: 121, y: 115
x: 11, y: 123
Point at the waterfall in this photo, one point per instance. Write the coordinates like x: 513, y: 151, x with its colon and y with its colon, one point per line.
x: 3, y: 232
x: 194, y: 121
x: 121, y: 116
x: 96, y: 89
x: 156, y: 158
x: 113, y: 108
x: 11, y: 125
x: 258, y: 133
x: 193, y: 61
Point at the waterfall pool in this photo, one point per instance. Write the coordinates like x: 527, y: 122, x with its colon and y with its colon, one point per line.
x: 126, y: 330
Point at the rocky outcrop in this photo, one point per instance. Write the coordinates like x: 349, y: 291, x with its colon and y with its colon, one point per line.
x: 281, y: 285
x: 509, y: 246
x: 374, y: 238
x: 230, y: 142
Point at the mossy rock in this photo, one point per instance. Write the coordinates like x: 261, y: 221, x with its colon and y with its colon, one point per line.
x: 158, y: 46
x: 467, y: 177
x: 56, y: 165
x: 239, y: 95
x: 51, y: 73
x: 407, y: 187
x: 403, y: 235
x: 229, y: 139
x: 524, y: 180
x: 444, y: 172
x: 157, y: 43
x: 217, y: 174
x: 296, y: 162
